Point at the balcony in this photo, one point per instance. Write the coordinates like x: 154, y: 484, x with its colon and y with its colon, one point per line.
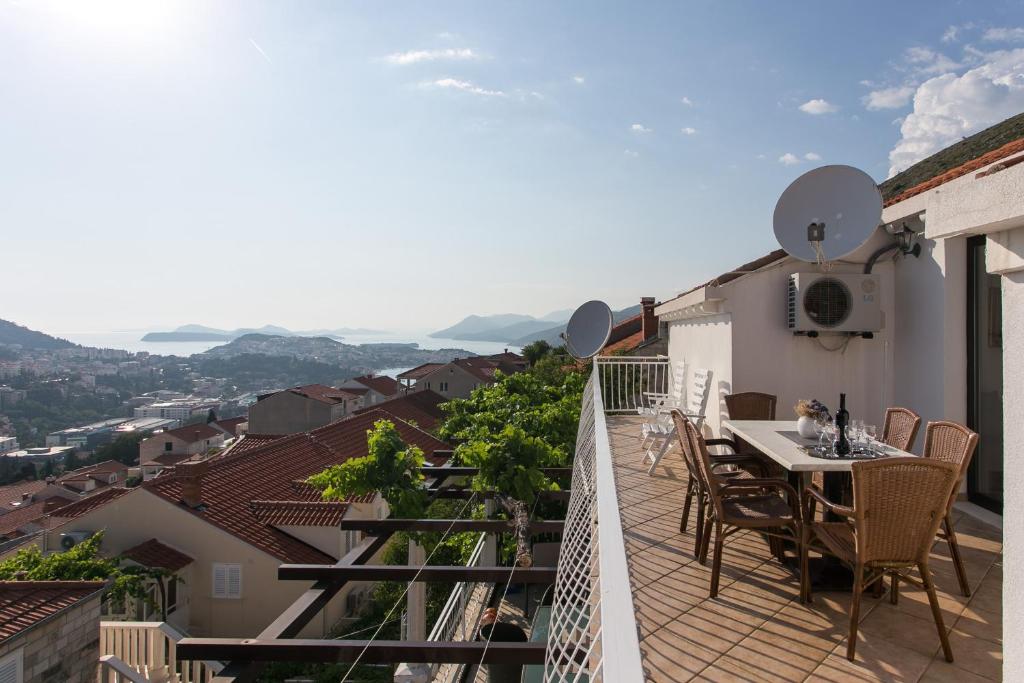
x: 630, y: 603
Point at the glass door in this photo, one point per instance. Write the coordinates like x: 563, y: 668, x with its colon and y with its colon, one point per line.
x: 984, y: 378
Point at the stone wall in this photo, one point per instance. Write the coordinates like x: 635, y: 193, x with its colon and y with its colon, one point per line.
x: 65, y: 648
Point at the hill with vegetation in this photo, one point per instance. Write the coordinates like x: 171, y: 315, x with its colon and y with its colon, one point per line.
x: 13, y: 334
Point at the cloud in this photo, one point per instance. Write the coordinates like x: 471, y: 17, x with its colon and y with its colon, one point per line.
x: 688, y: 131
x: 579, y: 79
x: 1004, y: 35
x: 950, y: 107
x: 789, y: 159
x: 889, y: 98
x: 640, y: 128
x: 812, y: 156
x: 630, y: 153
x: 418, y: 56
x: 950, y: 35
x: 687, y: 101
x: 927, y: 62
x: 819, y: 106
x: 464, y: 86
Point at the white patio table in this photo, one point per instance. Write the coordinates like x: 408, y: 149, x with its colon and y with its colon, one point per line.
x: 780, y: 441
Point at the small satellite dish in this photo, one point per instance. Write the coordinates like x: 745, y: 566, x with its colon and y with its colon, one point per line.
x: 588, y: 329
x: 827, y: 213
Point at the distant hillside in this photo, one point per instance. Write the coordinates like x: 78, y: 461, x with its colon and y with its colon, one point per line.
x: 187, y: 333
x: 361, y: 357
x: 30, y: 339
x: 476, y: 324
x: 508, y: 333
x: 552, y: 334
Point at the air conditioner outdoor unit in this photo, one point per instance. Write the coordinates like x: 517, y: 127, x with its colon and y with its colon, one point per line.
x: 834, y: 302
x: 70, y: 539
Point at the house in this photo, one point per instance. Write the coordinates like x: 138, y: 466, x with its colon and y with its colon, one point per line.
x: 301, y: 409
x: 175, y: 445
x: 638, y: 335
x: 376, y: 388
x: 422, y: 408
x: 49, y: 631
x: 232, y: 427
x: 90, y: 478
x: 461, y: 376
x: 952, y: 325
x: 233, y: 519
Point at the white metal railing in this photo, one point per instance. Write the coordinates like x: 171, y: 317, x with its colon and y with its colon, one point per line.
x: 625, y: 379
x: 460, y: 617
x: 593, y: 633
x: 150, y: 649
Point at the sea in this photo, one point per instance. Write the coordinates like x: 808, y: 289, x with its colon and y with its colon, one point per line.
x: 132, y: 341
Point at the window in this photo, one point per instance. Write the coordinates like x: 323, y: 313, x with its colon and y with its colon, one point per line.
x: 12, y: 668
x: 227, y: 580
x: 168, y: 445
x: 444, y: 387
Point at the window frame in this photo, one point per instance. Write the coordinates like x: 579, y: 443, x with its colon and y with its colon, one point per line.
x: 227, y: 568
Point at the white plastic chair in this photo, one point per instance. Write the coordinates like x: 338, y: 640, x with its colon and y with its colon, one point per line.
x: 662, y: 439
x: 659, y: 405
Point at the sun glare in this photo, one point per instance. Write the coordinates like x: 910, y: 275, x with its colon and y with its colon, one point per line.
x: 117, y: 18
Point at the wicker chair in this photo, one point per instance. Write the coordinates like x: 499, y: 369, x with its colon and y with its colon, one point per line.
x: 900, y: 429
x: 753, y: 405
x: 749, y: 468
x: 898, y: 504
x: 737, y: 504
x: 953, y: 443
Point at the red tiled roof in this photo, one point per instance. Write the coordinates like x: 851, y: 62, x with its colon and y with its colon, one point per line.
x: 153, y: 553
x: 13, y: 495
x: 23, y: 604
x: 232, y: 481
x: 168, y: 459
x: 421, y: 407
x: 322, y: 393
x: 15, y: 520
x: 250, y: 442
x: 358, y: 391
x: 80, y: 507
x: 382, y: 384
x: 230, y: 425
x: 421, y: 370
x: 299, y: 513
x: 193, y: 433
x: 91, y: 471
x: 995, y: 155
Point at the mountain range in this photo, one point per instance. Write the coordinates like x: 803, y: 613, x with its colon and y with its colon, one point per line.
x: 12, y: 334
x: 194, y: 332
x: 516, y: 329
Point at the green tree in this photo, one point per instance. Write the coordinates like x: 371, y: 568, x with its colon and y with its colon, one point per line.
x: 390, y: 467
x: 124, y: 449
x: 537, y: 350
x: 83, y: 562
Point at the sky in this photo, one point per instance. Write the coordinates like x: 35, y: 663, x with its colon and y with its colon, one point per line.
x: 401, y: 165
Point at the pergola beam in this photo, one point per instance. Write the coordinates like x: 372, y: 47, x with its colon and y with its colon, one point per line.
x: 470, y: 471
x: 377, y: 526
x: 465, y: 493
x: 439, y: 573
x: 365, y: 651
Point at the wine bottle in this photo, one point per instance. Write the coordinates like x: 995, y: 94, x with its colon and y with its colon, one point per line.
x: 841, y: 446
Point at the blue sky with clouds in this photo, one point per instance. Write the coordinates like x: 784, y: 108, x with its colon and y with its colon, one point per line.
x: 400, y: 165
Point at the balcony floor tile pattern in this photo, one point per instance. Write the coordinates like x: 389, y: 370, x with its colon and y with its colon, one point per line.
x: 757, y: 630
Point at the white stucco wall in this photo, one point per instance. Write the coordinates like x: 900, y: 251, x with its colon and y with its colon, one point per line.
x: 1013, y: 471
x: 748, y: 347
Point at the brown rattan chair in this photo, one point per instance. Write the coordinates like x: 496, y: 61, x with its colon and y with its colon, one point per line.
x: 953, y: 443
x: 753, y: 405
x: 898, y: 504
x: 900, y: 428
x: 748, y: 468
x: 737, y: 504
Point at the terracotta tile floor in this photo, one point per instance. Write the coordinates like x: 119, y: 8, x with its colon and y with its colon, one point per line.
x: 757, y: 630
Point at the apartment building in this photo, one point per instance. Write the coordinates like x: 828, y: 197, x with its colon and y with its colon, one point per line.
x: 301, y: 409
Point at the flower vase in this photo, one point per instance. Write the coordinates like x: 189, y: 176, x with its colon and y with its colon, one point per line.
x: 805, y: 426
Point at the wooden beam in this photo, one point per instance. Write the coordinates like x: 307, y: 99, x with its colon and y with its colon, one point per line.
x: 465, y: 493
x: 470, y: 471
x: 376, y: 526
x: 387, y: 572
x: 366, y: 651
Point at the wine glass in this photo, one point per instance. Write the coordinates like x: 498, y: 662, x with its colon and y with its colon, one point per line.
x: 856, y: 431
x: 870, y: 433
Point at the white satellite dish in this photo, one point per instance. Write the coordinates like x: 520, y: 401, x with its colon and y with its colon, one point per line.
x: 588, y: 329
x: 827, y: 213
